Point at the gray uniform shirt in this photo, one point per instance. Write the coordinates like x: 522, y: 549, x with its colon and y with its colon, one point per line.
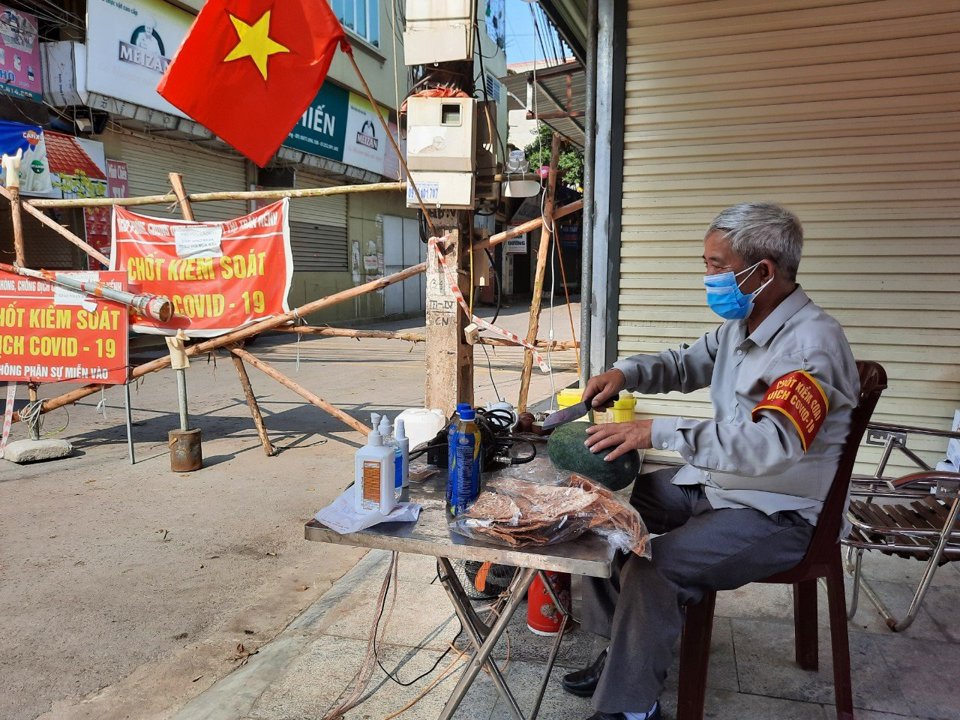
x: 759, y: 463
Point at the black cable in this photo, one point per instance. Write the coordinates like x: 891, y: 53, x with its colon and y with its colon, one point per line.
x: 490, y: 371
x: 386, y: 672
x: 498, y: 283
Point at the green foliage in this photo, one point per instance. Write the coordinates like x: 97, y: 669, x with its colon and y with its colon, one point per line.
x: 569, y: 164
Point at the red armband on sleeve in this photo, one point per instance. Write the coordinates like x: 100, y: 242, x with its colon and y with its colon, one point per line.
x: 798, y: 396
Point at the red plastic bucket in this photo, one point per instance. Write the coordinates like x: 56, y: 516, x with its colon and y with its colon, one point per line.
x: 543, y: 617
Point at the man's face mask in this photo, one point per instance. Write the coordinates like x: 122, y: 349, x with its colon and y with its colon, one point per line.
x: 724, y: 296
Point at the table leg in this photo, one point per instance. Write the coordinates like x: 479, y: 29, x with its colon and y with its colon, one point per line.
x: 555, y: 648
x: 516, y: 594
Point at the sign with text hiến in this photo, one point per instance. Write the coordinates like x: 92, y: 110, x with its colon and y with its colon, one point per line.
x: 218, y: 275
x: 51, y: 334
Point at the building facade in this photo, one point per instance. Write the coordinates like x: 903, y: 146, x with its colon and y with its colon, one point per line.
x: 100, y: 62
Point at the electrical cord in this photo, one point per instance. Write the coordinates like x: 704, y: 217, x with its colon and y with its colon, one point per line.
x: 386, y: 672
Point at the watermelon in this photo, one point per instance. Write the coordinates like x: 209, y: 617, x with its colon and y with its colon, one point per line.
x: 568, y: 452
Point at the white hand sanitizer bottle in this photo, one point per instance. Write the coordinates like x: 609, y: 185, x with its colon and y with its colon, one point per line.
x: 374, y: 476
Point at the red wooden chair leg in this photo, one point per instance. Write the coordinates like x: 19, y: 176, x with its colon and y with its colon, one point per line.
x: 695, y: 658
x: 805, y: 624
x: 837, y: 603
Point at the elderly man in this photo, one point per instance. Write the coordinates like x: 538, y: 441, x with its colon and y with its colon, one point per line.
x: 783, y: 383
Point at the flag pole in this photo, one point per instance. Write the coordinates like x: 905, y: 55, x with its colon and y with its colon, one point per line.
x: 348, y: 49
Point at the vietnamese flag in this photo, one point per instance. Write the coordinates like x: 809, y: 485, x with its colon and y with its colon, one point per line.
x: 248, y: 69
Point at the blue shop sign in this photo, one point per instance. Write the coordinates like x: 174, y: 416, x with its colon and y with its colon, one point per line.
x: 322, y: 128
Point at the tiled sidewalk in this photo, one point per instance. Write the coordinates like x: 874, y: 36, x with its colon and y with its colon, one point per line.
x: 307, y: 669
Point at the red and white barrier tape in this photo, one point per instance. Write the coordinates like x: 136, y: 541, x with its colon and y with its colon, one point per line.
x: 451, y: 278
x: 8, y: 415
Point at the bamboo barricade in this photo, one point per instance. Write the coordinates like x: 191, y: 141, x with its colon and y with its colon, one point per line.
x: 235, y: 336
x: 243, y: 333
x: 267, y: 324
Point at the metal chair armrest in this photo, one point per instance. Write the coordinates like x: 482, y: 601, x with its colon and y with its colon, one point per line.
x: 893, y: 427
x: 932, y: 479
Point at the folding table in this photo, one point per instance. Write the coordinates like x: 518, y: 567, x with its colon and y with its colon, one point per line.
x: 430, y: 535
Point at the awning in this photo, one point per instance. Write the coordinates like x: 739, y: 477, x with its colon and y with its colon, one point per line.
x: 554, y: 95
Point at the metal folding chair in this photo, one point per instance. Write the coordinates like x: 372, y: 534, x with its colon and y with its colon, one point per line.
x: 913, y: 516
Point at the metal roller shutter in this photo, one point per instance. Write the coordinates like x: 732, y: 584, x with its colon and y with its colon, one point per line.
x: 318, y: 229
x: 846, y: 112
x: 150, y: 161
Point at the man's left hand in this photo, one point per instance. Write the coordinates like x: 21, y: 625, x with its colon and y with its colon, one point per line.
x: 623, y: 437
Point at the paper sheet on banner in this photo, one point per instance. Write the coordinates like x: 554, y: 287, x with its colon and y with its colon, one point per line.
x: 342, y: 515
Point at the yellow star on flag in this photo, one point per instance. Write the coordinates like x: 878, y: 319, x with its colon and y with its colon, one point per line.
x: 255, y: 42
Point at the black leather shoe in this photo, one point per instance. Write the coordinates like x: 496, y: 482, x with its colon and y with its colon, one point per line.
x: 621, y: 716
x: 583, y: 682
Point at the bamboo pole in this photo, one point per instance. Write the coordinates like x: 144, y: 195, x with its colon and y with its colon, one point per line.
x: 542, y: 252
x: 15, y: 215
x: 344, y: 332
x: 242, y: 334
x: 59, y: 229
x: 171, y: 197
x: 268, y: 446
x: 545, y: 344
x: 11, y: 178
x: 300, y: 390
x: 416, y: 337
x: 563, y: 211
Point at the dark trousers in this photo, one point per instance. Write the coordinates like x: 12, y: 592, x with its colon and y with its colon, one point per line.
x: 699, y: 549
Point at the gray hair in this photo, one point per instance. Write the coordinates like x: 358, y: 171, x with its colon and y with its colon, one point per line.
x: 763, y: 231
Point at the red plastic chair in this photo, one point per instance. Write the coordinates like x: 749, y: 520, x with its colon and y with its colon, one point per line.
x: 823, y: 560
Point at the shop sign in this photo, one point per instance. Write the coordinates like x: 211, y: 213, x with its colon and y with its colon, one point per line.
x: 130, y: 43
x: 365, y: 144
x: 51, y: 334
x: 323, y: 126
x: 20, y: 73
x: 517, y: 245
x: 218, y: 275
x: 34, y: 167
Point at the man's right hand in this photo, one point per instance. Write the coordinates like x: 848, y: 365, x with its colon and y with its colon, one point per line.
x: 605, y: 388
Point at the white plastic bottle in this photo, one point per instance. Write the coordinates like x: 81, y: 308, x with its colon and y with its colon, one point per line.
x: 403, y: 444
x: 374, y: 476
x: 386, y: 432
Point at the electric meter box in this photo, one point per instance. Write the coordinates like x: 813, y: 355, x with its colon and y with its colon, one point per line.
x: 449, y: 190
x: 438, y: 31
x: 442, y: 134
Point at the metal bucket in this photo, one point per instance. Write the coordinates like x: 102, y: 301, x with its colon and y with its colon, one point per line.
x: 186, y: 454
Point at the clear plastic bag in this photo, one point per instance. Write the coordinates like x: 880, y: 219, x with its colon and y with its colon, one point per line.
x: 519, y: 513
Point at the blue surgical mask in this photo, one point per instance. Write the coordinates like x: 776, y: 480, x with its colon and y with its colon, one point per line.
x: 724, y: 296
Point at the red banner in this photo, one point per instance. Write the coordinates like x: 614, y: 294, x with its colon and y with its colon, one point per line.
x: 219, y: 275
x: 798, y: 396
x: 51, y: 334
